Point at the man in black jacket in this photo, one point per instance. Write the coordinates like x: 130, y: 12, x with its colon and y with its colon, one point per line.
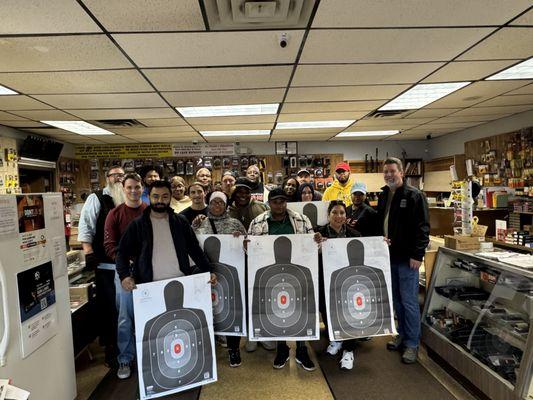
x: 404, y: 220
x: 159, y: 244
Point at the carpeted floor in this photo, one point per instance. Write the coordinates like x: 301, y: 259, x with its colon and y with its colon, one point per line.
x: 378, y: 374
x: 112, y: 388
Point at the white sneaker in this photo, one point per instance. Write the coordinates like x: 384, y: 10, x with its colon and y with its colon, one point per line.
x: 124, y: 371
x: 347, y: 360
x: 250, y: 346
x: 334, y: 348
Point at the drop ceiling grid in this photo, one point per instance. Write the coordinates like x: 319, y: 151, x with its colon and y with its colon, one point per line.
x: 258, y: 76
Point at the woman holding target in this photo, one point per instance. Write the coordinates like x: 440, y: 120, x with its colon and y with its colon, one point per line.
x: 335, y: 228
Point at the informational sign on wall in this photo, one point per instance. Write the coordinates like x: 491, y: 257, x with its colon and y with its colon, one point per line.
x: 203, y: 149
x: 37, y: 299
x: 144, y: 150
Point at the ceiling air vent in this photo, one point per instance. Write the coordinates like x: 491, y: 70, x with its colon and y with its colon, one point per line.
x: 250, y: 14
x: 386, y: 113
x: 120, y: 123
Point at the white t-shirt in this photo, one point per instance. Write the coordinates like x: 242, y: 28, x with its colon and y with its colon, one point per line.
x: 164, y: 259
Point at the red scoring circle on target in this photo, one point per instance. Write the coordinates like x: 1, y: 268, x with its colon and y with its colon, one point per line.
x: 213, y: 296
x: 177, y: 348
x: 283, y: 299
x: 359, y: 301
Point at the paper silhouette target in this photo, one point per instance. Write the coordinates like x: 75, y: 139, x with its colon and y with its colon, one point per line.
x: 357, y: 285
x: 316, y: 211
x: 226, y: 255
x: 282, y: 279
x: 177, y: 350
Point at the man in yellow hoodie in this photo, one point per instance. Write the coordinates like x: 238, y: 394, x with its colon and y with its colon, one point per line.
x: 340, y: 190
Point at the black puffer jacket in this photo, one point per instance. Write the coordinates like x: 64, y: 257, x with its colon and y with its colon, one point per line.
x: 408, y: 222
x: 137, y: 245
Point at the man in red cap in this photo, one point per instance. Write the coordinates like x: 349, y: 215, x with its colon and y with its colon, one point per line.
x: 340, y: 190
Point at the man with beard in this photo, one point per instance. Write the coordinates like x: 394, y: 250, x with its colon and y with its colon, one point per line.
x: 116, y: 223
x: 340, y: 190
x: 91, y: 235
x: 159, y: 244
x: 258, y: 190
x: 244, y: 207
x: 404, y: 220
x: 149, y: 174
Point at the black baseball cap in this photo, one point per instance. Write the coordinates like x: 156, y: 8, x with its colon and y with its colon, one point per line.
x: 243, y: 182
x: 277, y: 193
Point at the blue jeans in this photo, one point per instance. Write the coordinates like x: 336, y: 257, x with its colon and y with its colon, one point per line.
x: 125, y: 330
x: 405, y: 299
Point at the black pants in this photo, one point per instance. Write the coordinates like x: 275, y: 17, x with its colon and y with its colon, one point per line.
x: 234, y: 342
x: 283, y: 344
x: 106, y: 307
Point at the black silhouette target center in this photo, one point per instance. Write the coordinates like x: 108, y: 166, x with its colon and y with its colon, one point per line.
x: 226, y: 299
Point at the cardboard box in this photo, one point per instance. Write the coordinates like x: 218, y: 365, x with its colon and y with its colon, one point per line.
x: 458, y: 242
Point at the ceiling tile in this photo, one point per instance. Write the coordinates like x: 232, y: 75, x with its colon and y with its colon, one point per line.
x: 76, y: 82
x: 379, y: 124
x: 126, y: 113
x: 523, y: 90
x: 330, y: 116
x: 516, y: 42
x: 476, y: 93
x: 383, y: 92
x: 186, y: 79
x: 153, y: 15
x: 478, y: 110
x: 241, y: 119
x: 310, y: 132
x: 154, y: 122
x: 22, y: 124
x: 18, y: 102
x: 209, y: 48
x: 449, y: 125
x: 113, y: 139
x: 213, y: 98
x: 526, y: 19
x: 45, y: 16
x: 59, y: 53
x: 89, y: 101
x: 362, y: 105
x: 301, y: 137
x: 46, y: 115
x: 168, y: 138
x: 431, y: 112
x: 388, y: 45
x: 4, y: 116
x: 361, y: 74
x: 169, y: 130
x: 468, y: 71
x: 501, y: 101
x: 370, y: 13
x: 468, y: 118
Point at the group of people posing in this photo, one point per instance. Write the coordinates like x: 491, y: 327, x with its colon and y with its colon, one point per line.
x: 142, y: 228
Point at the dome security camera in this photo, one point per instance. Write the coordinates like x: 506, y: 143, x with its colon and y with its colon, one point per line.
x: 283, y: 40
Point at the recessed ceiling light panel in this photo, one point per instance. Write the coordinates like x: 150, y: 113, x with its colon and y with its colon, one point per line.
x: 5, y: 91
x: 314, y: 124
x: 225, y: 111
x: 368, y: 133
x: 422, y: 95
x: 235, y: 133
x: 79, y: 127
x: 523, y: 70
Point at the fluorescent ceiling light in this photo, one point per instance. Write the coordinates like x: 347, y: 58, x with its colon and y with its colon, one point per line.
x: 314, y: 124
x: 79, y: 127
x: 5, y: 91
x: 235, y: 133
x: 368, y: 133
x: 524, y: 70
x: 421, y: 95
x: 224, y: 111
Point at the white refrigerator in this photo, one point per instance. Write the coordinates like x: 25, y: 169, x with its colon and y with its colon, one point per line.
x: 36, y: 350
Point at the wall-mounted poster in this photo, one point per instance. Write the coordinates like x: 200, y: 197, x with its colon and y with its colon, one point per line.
x: 357, y: 283
x: 30, y: 210
x: 226, y: 254
x: 174, y: 335
x: 316, y: 211
x: 38, y: 315
x: 282, y: 288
